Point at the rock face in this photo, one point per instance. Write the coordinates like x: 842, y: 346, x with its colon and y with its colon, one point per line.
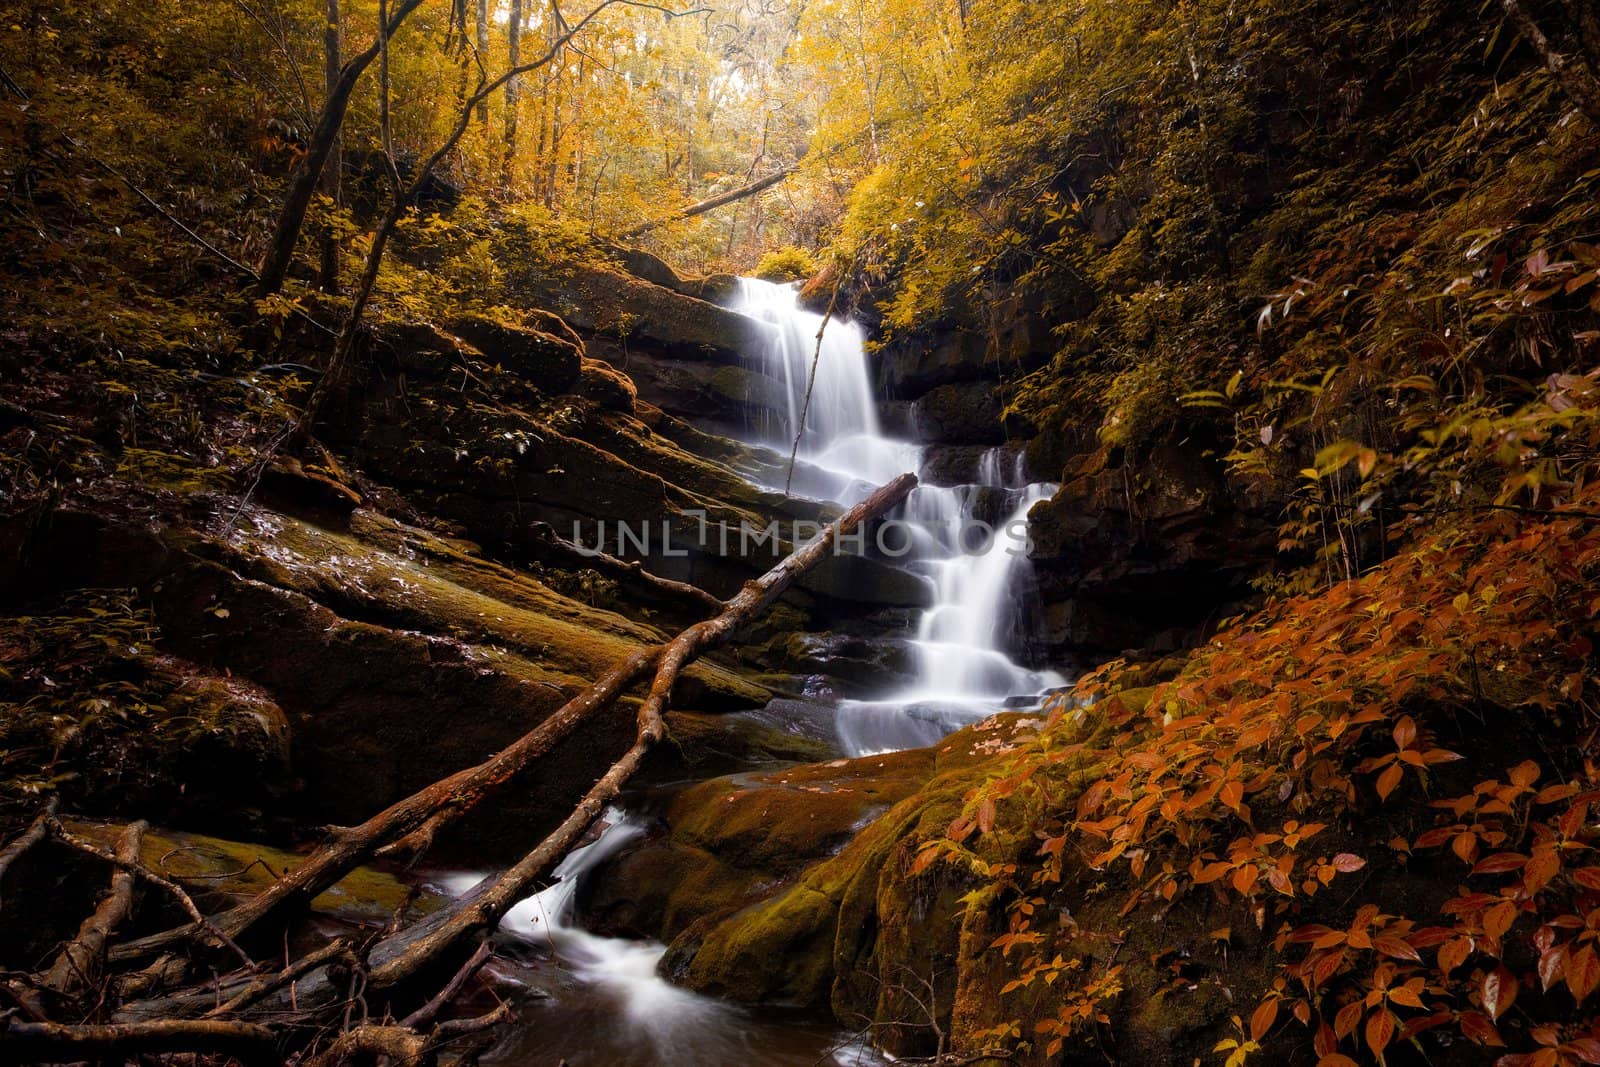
x: 1144, y: 554
x: 397, y: 656
x: 550, y: 363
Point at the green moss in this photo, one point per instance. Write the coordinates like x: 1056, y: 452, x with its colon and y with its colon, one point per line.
x: 219, y: 873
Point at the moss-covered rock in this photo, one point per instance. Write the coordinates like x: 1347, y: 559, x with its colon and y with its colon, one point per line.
x: 219, y: 873
x: 551, y: 363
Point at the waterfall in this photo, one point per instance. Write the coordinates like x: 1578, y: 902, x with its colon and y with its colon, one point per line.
x: 977, y: 570
x: 975, y: 573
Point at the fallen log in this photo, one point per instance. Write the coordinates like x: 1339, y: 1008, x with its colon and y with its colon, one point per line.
x: 44, y: 1042
x: 78, y: 964
x: 397, y: 958
x: 757, y: 186
x: 401, y: 955
x: 436, y: 805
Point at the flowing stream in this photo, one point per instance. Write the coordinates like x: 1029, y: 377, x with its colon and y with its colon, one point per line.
x: 970, y: 541
x: 606, y: 1004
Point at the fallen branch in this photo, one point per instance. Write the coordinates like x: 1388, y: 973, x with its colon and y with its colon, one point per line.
x: 28, y: 838
x: 430, y: 1011
x: 404, y: 953
x: 400, y: 1044
x: 546, y: 535
x: 395, y: 959
x: 78, y: 964
x: 22, y: 1042
x: 428, y: 809
x: 266, y: 984
x: 715, y: 202
x: 138, y: 870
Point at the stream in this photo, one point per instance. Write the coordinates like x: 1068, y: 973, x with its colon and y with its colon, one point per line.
x: 599, y: 1000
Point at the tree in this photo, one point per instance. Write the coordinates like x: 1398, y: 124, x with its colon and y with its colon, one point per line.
x: 307, y: 172
x: 513, y: 58
x: 1569, y: 47
x: 328, y: 281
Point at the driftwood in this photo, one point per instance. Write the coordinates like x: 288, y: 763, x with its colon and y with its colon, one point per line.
x: 78, y: 964
x: 311, y: 992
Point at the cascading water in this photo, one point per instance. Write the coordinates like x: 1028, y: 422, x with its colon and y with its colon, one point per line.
x: 615, y: 1008
x: 977, y: 569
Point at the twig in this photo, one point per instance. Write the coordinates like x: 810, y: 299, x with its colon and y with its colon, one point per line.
x: 264, y: 985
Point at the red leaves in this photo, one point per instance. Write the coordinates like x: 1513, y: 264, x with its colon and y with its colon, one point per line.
x: 1263, y: 1018
x: 1396, y: 948
x: 1347, y: 863
x: 1501, y: 862
x: 1453, y: 954
x: 1479, y: 1029
x: 1380, y: 1031
x: 1499, y: 991
x: 1582, y: 969
x: 1389, y: 779
x: 1498, y: 919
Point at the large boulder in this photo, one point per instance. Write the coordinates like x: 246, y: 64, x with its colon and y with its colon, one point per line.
x: 551, y: 363
x: 606, y: 303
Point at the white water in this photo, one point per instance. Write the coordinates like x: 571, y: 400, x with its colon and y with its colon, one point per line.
x: 963, y: 674
x: 620, y: 1009
x: 964, y: 669
x: 659, y: 1011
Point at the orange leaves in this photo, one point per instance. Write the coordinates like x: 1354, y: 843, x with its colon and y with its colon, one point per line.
x: 1262, y: 1019
x: 1380, y: 1031
x: 1499, y: 992
x: 1582, y: 970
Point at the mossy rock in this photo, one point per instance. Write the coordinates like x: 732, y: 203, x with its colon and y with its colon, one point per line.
x: 606, y: 386
x: 851, y: 921
x: 549, y: 363
x: 219, y: 873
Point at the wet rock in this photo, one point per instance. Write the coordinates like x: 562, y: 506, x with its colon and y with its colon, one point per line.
x: 610, y: 304
x: 912, y: 366
x: 959, y: 414
x: 810, y: 938
x: 552, y: 364
x: 1123, y: 556
x: 729, y: 840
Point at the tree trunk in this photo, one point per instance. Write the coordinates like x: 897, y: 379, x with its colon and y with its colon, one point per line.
x: 328, y: 281
x: 308, y: 172
x: 1578, y: 75
x: 482, y: 29
x: 514, y: 55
